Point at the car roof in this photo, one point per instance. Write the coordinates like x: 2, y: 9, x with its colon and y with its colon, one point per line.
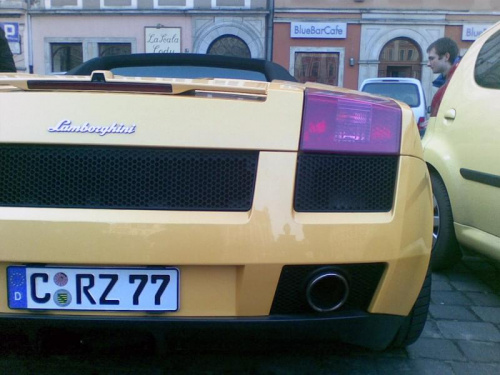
x: 270, y: 70
x: 391, y: 80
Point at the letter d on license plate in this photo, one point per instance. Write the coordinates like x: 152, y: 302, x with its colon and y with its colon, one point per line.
x: 74, y: 288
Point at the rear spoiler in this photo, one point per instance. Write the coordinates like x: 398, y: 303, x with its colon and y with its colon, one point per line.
x: 106, y: 81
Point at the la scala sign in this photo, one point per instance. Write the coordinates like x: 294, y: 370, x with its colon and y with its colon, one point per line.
x: 162, y: 39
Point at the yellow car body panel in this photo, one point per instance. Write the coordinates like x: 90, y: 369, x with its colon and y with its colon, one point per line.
x: 464, y: 136
x: 271, y: 234
x: 229, y: 262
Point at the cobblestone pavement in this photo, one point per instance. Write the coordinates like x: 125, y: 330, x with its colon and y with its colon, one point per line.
x: 462, y: 336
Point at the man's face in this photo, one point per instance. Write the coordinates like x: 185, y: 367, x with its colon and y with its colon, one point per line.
x: 438, y: 64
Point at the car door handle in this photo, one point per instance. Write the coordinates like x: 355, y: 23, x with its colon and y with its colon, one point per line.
x: 450, y: 114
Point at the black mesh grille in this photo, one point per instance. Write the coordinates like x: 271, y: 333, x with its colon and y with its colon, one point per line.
x: 126, y: 178
x: 290, y: 297
x: 342, y: 183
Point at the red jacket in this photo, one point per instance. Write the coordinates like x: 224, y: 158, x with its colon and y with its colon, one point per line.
x: 438, y: 97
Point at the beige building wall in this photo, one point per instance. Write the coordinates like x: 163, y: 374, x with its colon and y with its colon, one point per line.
x: 434, y: 5
x: 94, y: 22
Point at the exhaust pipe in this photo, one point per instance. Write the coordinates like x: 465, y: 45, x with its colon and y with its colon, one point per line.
x: 327, y: 291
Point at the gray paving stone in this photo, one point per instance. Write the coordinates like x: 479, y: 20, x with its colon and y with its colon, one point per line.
x: 488, y: 272
x: 483, y: 299
x: 393, y: 366
x: 441, y: 286
x: 393, y: 353
x: 435, y: 349
x: 452, y: 313
x: 475, y: 261
x: 438, y: 277
x: 469, y: 283
x: 488, y: 314
x: 469, y: 331
x: 469, y: 286
x: 414, y: 367
x: 462, y: 276
x: 475, y: 368
x: 450, y: 298
x: 494, y: 283
x: 431, y: 330
x: 432, y: 367
x: 458, y: 268
x: 478, y: 351
x: 347, y: 366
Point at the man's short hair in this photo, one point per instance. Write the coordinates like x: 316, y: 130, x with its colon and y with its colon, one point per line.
x: 444, y: 45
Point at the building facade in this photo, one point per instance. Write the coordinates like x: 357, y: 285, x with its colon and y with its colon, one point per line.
x: 13, y: 19
x: 64, y: 33
x: 344, y: 42
x: 338, y: 42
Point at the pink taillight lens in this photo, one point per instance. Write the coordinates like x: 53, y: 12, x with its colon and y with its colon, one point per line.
x: 421, y: 123
x: 350, y: 123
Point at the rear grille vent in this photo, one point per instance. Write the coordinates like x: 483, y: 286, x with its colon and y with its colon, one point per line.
x: 343, y: 183
x: 126, y: 178
x: 290, y: 297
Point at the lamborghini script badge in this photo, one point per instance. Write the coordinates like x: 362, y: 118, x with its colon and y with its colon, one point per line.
x: 65, y: 126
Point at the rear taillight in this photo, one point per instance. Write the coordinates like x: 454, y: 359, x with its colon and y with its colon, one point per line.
x: 350, y: 123
x: 421, y: 123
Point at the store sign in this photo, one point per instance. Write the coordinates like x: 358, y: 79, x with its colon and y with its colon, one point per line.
x: 472, y: 32
x: 163, y: 39
x: 12, y: 34
x: 318, y: 30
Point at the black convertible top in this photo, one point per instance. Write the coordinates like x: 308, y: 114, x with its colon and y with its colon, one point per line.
x: 270, y: 70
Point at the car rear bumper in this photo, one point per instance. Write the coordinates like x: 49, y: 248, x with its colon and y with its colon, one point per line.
x: 375, y: 331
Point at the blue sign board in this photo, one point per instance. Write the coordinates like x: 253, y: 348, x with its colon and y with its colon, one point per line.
x: 11, y: 31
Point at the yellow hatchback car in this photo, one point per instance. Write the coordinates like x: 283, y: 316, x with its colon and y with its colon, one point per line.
x: 220, y: 207
x: 462, y: 149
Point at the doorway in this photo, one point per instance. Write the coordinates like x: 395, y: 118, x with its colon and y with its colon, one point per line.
x: 400, y: 57
x: 399, y: 71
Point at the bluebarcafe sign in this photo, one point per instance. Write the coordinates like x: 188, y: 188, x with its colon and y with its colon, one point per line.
x: 471, y: 32
x: 318, y: 30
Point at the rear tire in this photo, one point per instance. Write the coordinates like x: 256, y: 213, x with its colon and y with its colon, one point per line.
x: 445, y: 249
x: 414, y: 323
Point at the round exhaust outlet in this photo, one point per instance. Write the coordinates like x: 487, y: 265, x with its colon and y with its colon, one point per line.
x: 327, y: 291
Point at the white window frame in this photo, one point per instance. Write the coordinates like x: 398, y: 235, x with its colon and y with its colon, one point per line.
x: 339, y: 50
x: 189, y: 5
x: 133, y: 5
x: 90, y: 47
x: 48, y: 5
x: 247, y: 5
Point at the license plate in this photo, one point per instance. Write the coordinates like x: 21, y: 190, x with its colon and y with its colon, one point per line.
x: 103, y: 289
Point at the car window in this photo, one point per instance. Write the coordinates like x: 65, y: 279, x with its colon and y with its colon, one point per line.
x: 405, y: 92
x: 177, y: 71
x: 487, y: 69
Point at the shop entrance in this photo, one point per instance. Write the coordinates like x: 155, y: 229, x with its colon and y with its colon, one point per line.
x: 400, y: 57
x: 399, y: 71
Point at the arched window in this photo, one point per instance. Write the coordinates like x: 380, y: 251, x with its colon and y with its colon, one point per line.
x: 229, y: 45
x: 400, y: 57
